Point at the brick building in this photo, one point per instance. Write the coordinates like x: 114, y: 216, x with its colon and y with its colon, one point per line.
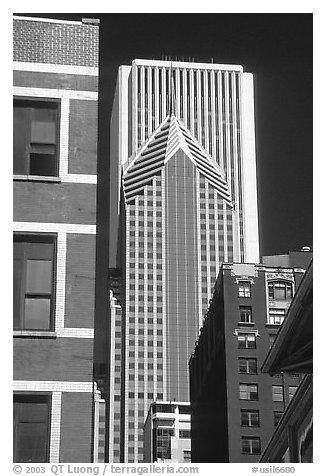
x: 55, y: 167
x: 235, y: 407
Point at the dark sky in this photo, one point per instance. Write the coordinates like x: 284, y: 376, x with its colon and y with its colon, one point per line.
x: 277, y: 49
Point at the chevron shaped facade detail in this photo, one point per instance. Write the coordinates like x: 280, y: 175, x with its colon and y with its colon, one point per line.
x: 149, y: 160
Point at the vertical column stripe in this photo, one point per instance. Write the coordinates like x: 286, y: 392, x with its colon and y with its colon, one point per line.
x: 64, y: 137
x: 60, y: 281
x: 55, y: 427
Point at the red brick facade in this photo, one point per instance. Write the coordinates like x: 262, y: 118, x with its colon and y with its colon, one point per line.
x: 59, y: 361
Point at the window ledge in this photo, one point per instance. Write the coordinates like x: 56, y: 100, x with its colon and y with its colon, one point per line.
x: 272, y: 326
x: 246, y: 324
x: 36, y: 178
x: 45, y: 334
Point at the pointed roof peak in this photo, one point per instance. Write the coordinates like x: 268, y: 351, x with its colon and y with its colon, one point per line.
x: 151, y: 158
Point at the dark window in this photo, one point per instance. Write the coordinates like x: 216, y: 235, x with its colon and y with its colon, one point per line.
x: 244, y: 289
x: 31, y: 428
x: 35, y: 137
x: 280, y: 290
x: 251, y: 445
x: 250, y: 418
x: 248, y: 391
x: 277, y: 417
x: 184, y: 433
x: 246, y: 341
x: 292, y: 391
x: 33, y: 288
x: 247, y: 365
x: 245, y: 314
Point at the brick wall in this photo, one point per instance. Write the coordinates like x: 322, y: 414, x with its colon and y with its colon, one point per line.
x: 45, y: 42
x: 64, y: 359
x: 82, y: 137
x: 55, y: 203
x: 76, y: 424
x: 80, y: 281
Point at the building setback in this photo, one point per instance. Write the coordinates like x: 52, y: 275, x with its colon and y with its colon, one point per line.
x: 234, y: 407
x: 183, y: 201
x: 167, y: 433
x: 55, y: 166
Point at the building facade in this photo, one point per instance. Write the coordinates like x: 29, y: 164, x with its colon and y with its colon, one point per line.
x: 167, y: 433
x: 55, y: 167
x: 235, y: 407
x: 292, y: 351
x: 183, y: 156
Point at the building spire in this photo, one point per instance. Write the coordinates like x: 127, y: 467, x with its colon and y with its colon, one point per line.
x: 171, y: 93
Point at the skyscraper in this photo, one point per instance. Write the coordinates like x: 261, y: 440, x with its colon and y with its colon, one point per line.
x: 183, y: 156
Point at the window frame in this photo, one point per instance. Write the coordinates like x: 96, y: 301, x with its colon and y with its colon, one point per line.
x: 276, y: 314
x: 274, y: 284
x: 251, y: 439
x: 246, y: 340
x: 28, y: 238
x: 31, y: 397
x: 248, y: 392
x: 250, y: 420
x: 274, y: 393
x: 29, y: 104
x: 246, y: 313
x: 244, y: 289
x: 248, y: 360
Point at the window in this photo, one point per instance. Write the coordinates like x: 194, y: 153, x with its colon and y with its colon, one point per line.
x: 31, y: 428
x: 251, y: 445
x: 277, y: 417
x: 272, y: 337
x: 184, y: 433
x: 280, y: 290
x: 187, y: 456
x: 247, y: 365
x: 276, y: 316
x: 250, y: 418
x: 33, y: 288
x: 292, y: 391
x: 246, y: 341
x: 35, y: 137
x: 248, y: 391
x: 245, y: 314
x: 277, y: 393
x: 244, y: 289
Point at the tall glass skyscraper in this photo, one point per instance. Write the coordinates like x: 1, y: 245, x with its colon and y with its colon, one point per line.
x: 183, y: 191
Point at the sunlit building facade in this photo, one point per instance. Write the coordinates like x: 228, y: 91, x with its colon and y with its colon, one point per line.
x: 182, y: 154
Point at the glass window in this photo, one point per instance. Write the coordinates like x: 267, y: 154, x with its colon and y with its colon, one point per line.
x: 250, y: 418
x: 33, y: 288
x: 251, y: 445
x: 184, y: 433
x: 244, y: 289
x: 247, y: 365
x: 35, y: 137
x: 248, y: 391
x: 292, y: 391
x: 276, y: 316
x: 31, y: 428
x: 280, y: 290
x: 245, y: 314
x: 277, y: 393
x: 246, y: 341
x: 277, y: 417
